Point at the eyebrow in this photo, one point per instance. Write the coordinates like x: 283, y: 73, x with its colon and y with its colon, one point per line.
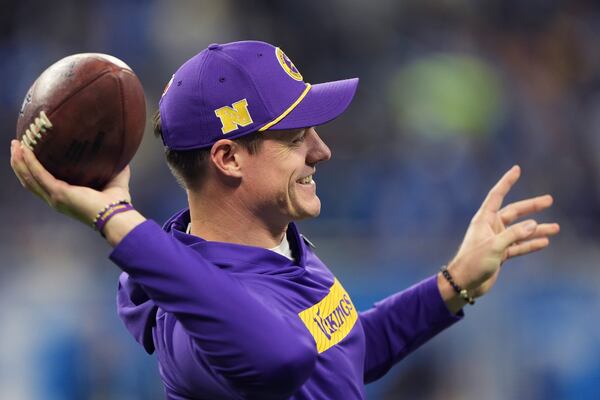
x: 291, y: 135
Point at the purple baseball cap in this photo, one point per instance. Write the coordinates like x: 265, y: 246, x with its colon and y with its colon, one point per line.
x: 230, y: 90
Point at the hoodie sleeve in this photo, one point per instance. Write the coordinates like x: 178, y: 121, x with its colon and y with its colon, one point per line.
x: 401, y: 323
x: 262, y: 354
x: 137, y: 311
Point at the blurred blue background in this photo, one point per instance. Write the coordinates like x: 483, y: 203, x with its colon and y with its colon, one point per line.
x: 452, y: 93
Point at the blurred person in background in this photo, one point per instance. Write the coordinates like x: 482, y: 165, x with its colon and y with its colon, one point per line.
x: 228, y: 293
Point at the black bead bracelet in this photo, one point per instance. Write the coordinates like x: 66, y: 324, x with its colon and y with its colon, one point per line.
x: 461, y: 292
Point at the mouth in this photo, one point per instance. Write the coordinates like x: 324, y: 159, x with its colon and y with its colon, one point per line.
x: 307, y: 180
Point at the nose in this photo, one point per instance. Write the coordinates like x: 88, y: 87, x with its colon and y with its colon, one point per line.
x: 318, y: 150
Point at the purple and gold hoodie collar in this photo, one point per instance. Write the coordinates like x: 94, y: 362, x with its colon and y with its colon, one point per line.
x: 241, y: 258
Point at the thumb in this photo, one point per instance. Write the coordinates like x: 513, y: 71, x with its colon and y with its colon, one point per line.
x: 515, y: 233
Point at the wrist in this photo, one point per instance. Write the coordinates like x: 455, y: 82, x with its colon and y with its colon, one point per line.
x: 108, y: 212
x: 461, y: 291
x: 120, y: 225
x: 454, y: 303
x: 453, y: 289
x: 115, y: 220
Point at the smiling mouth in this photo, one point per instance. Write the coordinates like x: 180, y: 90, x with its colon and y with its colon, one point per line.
x: 306, y: 180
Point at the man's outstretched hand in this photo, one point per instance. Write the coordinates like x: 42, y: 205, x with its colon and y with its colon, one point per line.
x: 79, y: 202
x: 493, y: 237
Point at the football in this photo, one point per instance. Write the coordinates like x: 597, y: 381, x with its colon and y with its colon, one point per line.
x: 84, y: 118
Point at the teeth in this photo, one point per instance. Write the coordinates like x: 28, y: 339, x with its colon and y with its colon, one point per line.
x: 306, y: 180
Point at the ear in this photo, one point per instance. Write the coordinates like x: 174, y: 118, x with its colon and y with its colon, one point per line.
x: 226, y: 156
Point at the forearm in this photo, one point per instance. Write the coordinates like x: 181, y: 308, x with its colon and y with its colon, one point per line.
x: 399, y: 324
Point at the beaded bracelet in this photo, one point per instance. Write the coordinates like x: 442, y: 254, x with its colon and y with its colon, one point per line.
x: 461, y: 292
x: 108, y: 212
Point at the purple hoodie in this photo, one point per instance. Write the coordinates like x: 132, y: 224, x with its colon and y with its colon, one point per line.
x: 229, y: 321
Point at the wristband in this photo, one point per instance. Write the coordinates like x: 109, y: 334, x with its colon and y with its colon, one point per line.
x: 461, y: 292
x: 108, y: 212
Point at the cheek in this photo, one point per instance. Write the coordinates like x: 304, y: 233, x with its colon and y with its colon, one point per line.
x: 282, y: 153
x: 274, y: 187
x: 290, y: 189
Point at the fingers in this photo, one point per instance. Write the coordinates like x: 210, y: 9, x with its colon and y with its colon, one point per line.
x: 525, y: 237
x: 495, y: 197
x: 514, y: 211
x: 14, y: 162
x: 19, y: 164
x: 526, y: 247
x: 515, y: 233
x: 46, y: 181
x: 545, y: 230
x: 537, y: 241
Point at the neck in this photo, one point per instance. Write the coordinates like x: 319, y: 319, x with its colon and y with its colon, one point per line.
x: 226, y: 219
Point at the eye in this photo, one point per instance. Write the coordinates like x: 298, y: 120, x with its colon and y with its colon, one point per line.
x: 300, y: 138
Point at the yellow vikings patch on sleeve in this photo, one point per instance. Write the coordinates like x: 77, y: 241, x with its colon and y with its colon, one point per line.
x: 331, y: 319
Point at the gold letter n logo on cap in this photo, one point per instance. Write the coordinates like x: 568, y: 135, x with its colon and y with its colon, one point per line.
x: 234, y: 117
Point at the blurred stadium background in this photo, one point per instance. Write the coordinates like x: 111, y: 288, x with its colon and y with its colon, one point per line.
x: 452, y: 93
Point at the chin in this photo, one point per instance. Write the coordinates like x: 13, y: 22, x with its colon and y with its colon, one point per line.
x: 301, y: 206
x: 308, y: 211
x: 304, y: 216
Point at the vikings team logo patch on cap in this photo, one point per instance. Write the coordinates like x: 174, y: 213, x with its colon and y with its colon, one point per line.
x: 287, y: 65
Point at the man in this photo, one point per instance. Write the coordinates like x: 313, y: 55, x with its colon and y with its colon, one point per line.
x: 229, y: 294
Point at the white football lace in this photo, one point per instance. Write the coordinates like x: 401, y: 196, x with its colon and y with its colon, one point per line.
x: 34, y: 133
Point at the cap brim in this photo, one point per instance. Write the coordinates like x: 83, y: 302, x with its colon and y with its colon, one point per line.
x: 323, y: 102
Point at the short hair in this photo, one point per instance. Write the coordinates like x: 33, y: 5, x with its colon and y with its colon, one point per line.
x: 189, y: 166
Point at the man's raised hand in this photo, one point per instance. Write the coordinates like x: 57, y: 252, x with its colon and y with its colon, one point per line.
x: 494, y: 235
x: 79, y: 202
